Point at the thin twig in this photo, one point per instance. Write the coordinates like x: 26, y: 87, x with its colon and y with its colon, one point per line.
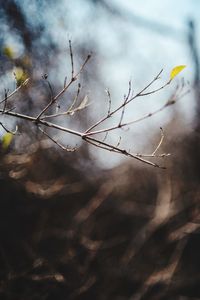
x: 153, y: 155
x: 87, y: 136
x: 160, y: 142
x: 96, y: 142
x: 171, y: 101
x: 100, y: 146
x: 15, y: 91
x: 65, y: 81
x: 42, y: 122
x: 56, y: 142
x: 154, y: 91
x: 6, y: 98
x: 128, y: 123
x: 69, y: 110
x: 75, y: 98
x: 50, y: 89
x: 7, y: 130
x: 118, y: 144
x: 53, y: 100
x: 72, y: 59
x: 121, y: 151
x: 126, y: 98
x: 127, y: 102
x: 105, y: 137
x: 81, y: 106
x: 109, y: 101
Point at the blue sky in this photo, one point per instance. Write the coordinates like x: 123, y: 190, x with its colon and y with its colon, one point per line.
x: 127, y: 49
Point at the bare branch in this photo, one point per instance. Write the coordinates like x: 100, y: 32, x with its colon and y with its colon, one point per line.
x: 171, y: 101
x: 42, y: 122
x: 126, y: 98
x: 75, y: 98
x: 65, y: 81
x: 84, y: 104
x: 53, y: 100
x: 139, y: 94
x: 88, y: 135
x: 72, y: 59
x: 109, y: 101
x: 160, y: 142
x: 6, y: 98
x: 118, y: 144
x: 115, y: 149
x: 50, y: 89
x: 56, y: 142
x: 7, y: 130
x: 15, y: 91
x: 105, y: 137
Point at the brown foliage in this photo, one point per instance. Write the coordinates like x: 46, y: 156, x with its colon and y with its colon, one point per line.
x: 128, y: 233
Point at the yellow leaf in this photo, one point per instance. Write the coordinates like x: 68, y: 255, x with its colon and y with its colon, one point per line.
x: 9, y: 52
x: 6, y: 140
x: 20, y: 75
x: 175, y: 71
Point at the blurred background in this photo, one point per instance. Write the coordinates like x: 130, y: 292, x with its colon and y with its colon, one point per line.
x: 93, y: 224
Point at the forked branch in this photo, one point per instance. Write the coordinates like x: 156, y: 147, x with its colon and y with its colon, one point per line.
x: 88, y: 135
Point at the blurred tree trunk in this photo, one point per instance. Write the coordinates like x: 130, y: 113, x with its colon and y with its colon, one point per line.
x: 196, y: 82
